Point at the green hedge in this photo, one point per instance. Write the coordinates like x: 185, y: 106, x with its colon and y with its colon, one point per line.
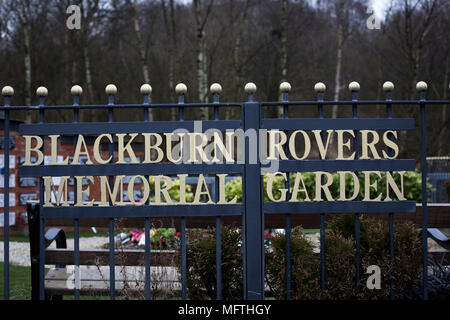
x: 340, y: 261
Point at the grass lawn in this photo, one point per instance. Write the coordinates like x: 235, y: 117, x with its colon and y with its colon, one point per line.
x: 19, y: 282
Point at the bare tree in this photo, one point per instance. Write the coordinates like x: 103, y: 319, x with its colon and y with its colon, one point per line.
x: 202, y: 73
x: 170, y: 27
x: 283, y: 49
x: 26, y: 57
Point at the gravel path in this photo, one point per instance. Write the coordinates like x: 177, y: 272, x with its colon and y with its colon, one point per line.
x: 19, y: 252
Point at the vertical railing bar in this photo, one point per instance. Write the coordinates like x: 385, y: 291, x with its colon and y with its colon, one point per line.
x: 391, y: 214
x: 287, y: 216
x: 41, y: 207
x: 147, y: 259
x: 76, y: 227
x: 424, y: 168
x: 263, y: 267
x: 218, y: 221
x: 182, y: 219
x: 261, y: 183
x: 147, y: 219
x: 322, y: 215
x: 357, y: 222
x: 6, y: 202
x: 112, y: 275
x: 244, y: 229
x: 183, y: 258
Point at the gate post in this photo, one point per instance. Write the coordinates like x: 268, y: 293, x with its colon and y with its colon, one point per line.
x: 253, y: 222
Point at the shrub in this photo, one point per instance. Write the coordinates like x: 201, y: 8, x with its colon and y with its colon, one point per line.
x: 304, y: 262
x: 201, y: 264
x: 340, y: 261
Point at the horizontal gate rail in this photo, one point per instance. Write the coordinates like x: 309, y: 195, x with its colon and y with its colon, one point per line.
x: 142, y: 211
x: 346, y: 165
x: 338, y: 207
x: 338, y: 124
x: 129, y: 169
x: 125, y: 127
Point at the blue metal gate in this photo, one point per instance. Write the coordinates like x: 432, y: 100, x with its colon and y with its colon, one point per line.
x: 253, y: 207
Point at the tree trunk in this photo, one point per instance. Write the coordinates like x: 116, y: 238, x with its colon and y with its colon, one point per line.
x: 443, y: 134
x: 141, y: 46
x: 27, y: 60
x: 236, y: 56
x: 283, y: 51
x: 337, y: 79
x: 202, y: 75
x: 170, y: 30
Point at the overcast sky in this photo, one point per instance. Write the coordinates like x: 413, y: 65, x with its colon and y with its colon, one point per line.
x: 380, y: 6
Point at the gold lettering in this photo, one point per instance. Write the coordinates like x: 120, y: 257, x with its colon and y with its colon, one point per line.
x: 341, y: 144
x: 342, y: 185
x: 366, y: 145
x: 149, y: 147
x: 81, y: 144
x: 194, y: 148
x: 296, y: 189
x: 324, y: 187
x: 292, y: 145
x: 164, y: 191
x: 270, y: 178
x: 117, y: 190
x: 322, y: 149
x: 121, y: 148
x: 80, y: 191
x: 390, y: 182
x: 54, y: 151
x: 222, y: 193
x: 391, y: 144
x: 276, y: 145
x: 225, y: 151
x: 97, y: 155
x: 61, y: 193
x: 368, y: 185
x: 145, y: 190
x: 198, y: 192
x: 29, y: 150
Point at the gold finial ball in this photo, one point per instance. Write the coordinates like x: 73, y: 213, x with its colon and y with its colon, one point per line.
x: 421, y: 86
x: 388, y: 86
x: 320, y: 87
x: 354, y: 86
x: 285, y: 87
x: 181, y: 88
x: 8, y: 91
x: 111, y: 89
x: 215, y: 88
x: 76, y: 90
x: 250, y: 88
x: 42, y: 91
x: 146, y: 89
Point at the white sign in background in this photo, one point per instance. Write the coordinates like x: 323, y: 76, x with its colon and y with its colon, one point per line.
x: 12, y: 200
x: 12, y: 219
x: 12, y: 161
x: 12, y: 181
